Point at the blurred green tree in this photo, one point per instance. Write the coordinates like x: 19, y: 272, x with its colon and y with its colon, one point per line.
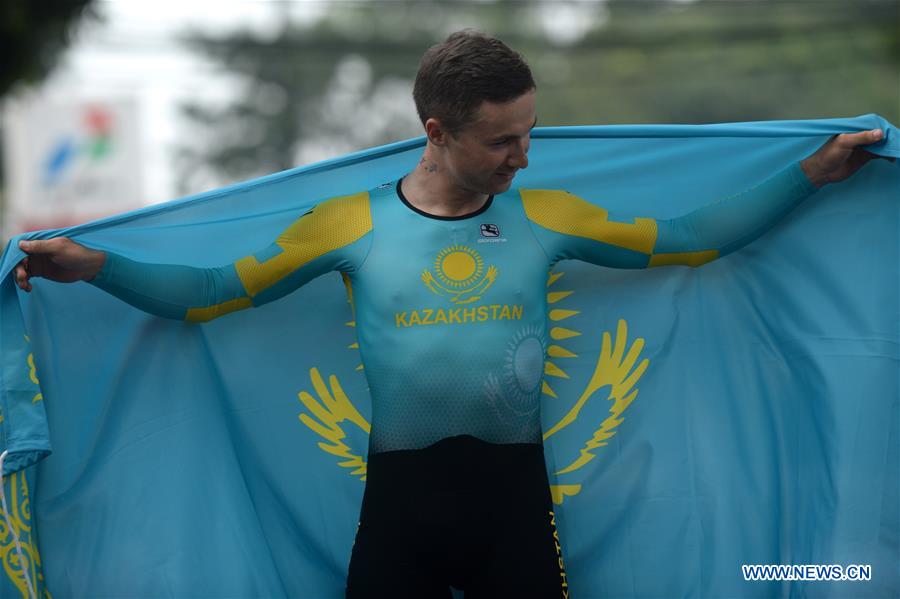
x: 32, y: 36
x: 345, y: 80
x: 347, y: 77
x: 713, y: 61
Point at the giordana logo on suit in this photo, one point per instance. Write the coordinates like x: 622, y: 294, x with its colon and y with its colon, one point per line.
x: 490, y: 233
x: 488, y: 230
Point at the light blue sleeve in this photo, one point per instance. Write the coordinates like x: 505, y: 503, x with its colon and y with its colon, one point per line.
x: 731, y: 223
x: 335, y: 235
x: 168, y: 290
x: 569, y: 227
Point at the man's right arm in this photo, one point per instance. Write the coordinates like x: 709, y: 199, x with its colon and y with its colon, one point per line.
x: 335, y: 235
x: 171, y: 290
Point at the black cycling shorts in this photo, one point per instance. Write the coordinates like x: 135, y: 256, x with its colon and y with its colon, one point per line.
x: 464, y: 513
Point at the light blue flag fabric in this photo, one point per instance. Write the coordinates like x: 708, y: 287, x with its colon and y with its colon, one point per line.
x: 745, y: 412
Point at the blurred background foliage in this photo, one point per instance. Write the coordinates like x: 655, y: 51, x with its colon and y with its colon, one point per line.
x: 346, y: 80
x: 33, y: 35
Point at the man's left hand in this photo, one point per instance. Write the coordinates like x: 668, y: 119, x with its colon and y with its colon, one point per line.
x: 840, y: 157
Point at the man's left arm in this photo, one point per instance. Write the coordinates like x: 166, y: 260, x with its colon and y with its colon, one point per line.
x: 727, y: 225
x: 570, y: 227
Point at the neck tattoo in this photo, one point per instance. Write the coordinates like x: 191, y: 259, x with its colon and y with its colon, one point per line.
x: 430, y: 167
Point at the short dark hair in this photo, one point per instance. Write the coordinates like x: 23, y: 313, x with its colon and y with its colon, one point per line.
x: 467, y: 68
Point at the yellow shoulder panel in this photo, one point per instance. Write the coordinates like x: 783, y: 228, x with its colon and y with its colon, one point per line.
x: 331, y: 225
x: 570, y: 215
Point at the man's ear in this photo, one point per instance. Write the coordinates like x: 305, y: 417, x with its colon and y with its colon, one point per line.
x: 435, y: 132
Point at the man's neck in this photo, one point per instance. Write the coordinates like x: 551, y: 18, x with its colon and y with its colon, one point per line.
x: 430, y: 188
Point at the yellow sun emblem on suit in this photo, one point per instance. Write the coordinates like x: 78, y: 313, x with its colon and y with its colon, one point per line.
x: 458, y: 273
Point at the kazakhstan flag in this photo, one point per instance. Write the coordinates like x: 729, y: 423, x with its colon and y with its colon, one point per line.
x: 744, y: 412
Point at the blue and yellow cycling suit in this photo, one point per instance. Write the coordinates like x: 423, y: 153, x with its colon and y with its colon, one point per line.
x: 451, y: 317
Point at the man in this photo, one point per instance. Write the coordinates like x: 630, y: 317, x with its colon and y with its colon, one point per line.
x: 448, y: 270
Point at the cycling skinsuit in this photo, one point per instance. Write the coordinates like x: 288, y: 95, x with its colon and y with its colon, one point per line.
x: 451, y: 317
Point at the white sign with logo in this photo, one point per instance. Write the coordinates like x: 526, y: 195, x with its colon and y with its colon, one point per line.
x: 69, y: 160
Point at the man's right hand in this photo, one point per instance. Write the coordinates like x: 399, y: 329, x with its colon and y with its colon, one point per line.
x: 59, y: 259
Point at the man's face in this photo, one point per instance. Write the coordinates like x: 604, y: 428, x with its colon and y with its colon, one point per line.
x: 486, y: 154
